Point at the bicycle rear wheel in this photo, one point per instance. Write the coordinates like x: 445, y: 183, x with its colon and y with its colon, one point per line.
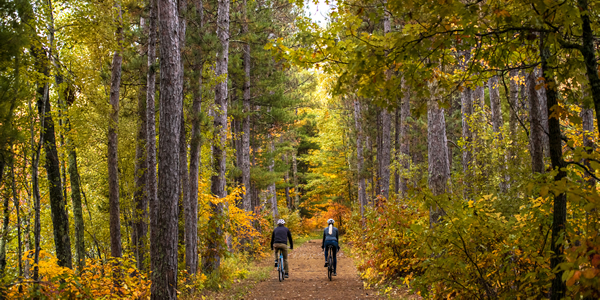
x: 281, y: 268
x: 330, y: 262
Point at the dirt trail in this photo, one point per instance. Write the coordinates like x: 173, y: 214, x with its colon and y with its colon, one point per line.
x: 308, y: 278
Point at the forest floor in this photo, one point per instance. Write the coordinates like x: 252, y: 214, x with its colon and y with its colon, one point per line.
x: 308, y: 279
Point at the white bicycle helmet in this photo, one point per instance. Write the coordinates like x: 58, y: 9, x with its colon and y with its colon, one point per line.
x: 280, y: 222
x: 330, y: 221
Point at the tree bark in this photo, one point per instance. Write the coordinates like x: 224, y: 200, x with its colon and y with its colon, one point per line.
x: 18, y: 212
x: 113, y: 161
x: 191, y: 210
x: 543, y: 108
x: 536, y: 148
x: 77, y: 205
x: 4, y: 237
x: 213, y: 258
x: 151, y: 186
x: 164, y: 261
x: 559, y: 219
x: 295, y: 173
x: 362, y: 186
x: 397, y: 149
x: 140, y: 208
x: 467, y: 154
x: 497, y: 123
x: 404, y: 138
x: 439, y: 169
x: 60, y: 219
x: 247, y: 201
x: 272, y: 188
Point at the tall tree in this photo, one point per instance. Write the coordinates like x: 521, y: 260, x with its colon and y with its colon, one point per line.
x: 404, y: 138
x: 191, y: 210
x: 362, y: 186
x: 113, y: 125
x: 151, y: 185
x: 140, y: 208
x: 218, y: 182
x: 439, y: 168
x: 536, y: 147
x: 164, y: 260
x: 247, y: 201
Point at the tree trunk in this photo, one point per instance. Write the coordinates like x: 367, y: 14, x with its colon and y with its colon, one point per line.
x: 272, y: 188
x: 439, y: 169
x: 559, y: 219
x: 384, y: 155
x: 397, y: 149
x: 246, y: 121
x: 467, y: 155
x: 77, y: 206
x: 4, y: 237
x: 151, y: 186
x: 536, y: 130
x: 404, y: 138
x: 113, y: 161
x: 60, y: 219
x: 295, y: 170
x: 543, y: 108
x: 17, y: 210
x: 362, y: 186
x: 588, y: 52
x: 191, y: 210
x: 213, y: 259
x: 164, y: 261
x: 497, y: 122
x: 140, y: 208
x: 42, y: 98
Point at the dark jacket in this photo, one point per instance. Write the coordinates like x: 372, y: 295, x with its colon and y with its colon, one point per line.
x: 330, y: 237
x: 280, y: 236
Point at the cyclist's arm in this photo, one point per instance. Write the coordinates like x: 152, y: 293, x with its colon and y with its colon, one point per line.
x: 323, y: 243
x: 290, y: 238
x: 337, y: 238
x: 272, y: 238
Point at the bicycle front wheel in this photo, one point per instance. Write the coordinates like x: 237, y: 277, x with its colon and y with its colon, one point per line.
x: 281, y: 269
x: 330, y: 263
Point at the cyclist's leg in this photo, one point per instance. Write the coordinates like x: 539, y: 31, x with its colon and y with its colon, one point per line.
x: 334, y: 258
x: 284, y: 251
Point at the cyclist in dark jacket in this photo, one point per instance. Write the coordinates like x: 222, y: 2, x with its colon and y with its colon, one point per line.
x: 330, y: 237
x: 279, y: 240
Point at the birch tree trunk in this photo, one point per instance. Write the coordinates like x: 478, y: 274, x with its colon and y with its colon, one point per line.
x: 439, y: 168
x: 272, y: 188
x: 536, y: 148
x: 213, y: 259
x: 164, y: 261
x: 113, y: 161
x: 362, y: 186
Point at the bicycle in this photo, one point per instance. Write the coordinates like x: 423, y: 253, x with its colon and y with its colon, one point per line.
x: 329, y: 261
x: 280, y: 266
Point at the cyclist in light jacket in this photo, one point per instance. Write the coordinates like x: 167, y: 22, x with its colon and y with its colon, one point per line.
x: 330, y: 237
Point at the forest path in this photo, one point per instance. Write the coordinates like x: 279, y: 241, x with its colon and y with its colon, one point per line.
x: 308, y: 278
